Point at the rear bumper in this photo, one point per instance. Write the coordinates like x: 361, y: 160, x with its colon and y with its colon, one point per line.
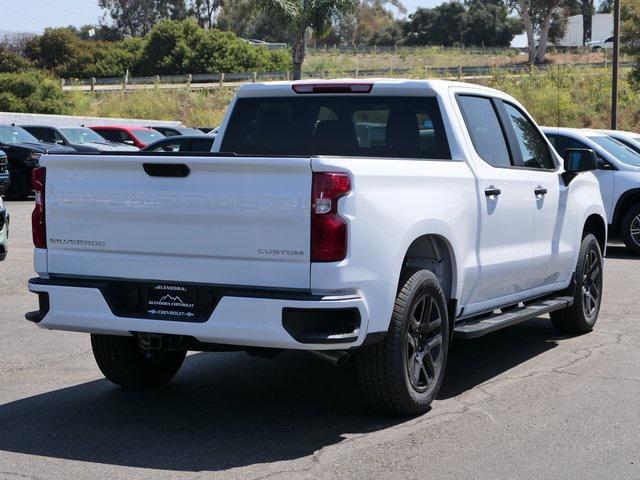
x: 251, y: 318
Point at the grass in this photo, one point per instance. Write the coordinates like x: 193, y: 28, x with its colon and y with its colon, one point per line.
x: 335, y: 61
x: 570, y: 97
x: 197, y: 108
x: 561, y: 95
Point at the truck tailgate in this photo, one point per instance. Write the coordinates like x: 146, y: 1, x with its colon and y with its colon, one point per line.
x: 231, y: 221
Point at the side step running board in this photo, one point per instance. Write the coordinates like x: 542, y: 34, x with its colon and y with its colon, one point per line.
x: 478, y: 328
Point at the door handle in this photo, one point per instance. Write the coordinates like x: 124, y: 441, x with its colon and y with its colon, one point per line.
x: 492, y: 192
x: 176, y: 170
x: 540, y: 191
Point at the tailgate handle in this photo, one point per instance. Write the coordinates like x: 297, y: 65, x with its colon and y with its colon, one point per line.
x: 171, y: 170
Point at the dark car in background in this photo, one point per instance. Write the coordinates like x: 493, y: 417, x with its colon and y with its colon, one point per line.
x: 182, y: 143
x: 130, y: 135
x: 4, y: 173
x: 23, y: 151
x: 81, y: 139
x: 173, y: 131
x: 4, y: 230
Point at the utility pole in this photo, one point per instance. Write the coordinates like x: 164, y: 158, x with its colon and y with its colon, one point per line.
x: 616, y: 65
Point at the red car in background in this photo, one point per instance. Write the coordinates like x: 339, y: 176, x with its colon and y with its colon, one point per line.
x: 137, y: 136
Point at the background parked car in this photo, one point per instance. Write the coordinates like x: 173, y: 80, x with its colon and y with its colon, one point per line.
x: 81, y: 139
x: 601, y: 44
x: 137, y: 136
x: 4, y: 173
x: 619, y: 176
x: 630, y: 139
x: 182, y: 143
x: 173, y: 131
x: 23, y: 151
x: 209, y: 130
x: 4, y: 230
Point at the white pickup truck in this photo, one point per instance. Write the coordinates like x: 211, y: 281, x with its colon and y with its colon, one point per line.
x: 373, y: 220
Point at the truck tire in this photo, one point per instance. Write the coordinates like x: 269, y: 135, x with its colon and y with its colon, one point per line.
x: 582, y: 315
x: 402, y: 374
x: 121, y: 361
x: 19, y: 185
x: 630, y: 229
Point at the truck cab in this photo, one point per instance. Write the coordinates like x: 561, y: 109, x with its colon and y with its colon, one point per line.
x: 363, y: 220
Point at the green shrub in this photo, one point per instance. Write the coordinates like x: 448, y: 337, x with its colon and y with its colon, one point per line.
x: 180, y: 47
x: 33, y: 91
x: 12, y: 62
x: 172, y: 47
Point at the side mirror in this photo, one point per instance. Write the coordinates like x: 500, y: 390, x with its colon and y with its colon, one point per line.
x: 578, y: 160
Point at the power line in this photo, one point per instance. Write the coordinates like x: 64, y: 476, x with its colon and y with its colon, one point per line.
x: 24, y: 14
x: 62, y: 9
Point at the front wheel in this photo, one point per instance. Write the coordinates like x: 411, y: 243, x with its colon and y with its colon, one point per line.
x: 123, y: 362
x: 403, y: 373
x: 631, y: 229
x: 582, y: 315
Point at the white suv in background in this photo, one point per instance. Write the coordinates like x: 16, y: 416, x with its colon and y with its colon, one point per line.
x: 618, y: 173
x: 630, y: 139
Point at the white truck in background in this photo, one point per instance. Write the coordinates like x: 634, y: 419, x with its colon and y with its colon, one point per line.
x: 601, y: 31
x: 365, y: 219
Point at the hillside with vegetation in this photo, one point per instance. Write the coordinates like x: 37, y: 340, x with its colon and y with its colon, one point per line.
x: 340, y: 38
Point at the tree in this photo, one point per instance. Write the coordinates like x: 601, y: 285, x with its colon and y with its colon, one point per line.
x: 370, y: 19
x: 53, y: 48
x: 537, y: 17
x: 630, y: 16
x: 587, y: 9
x: 442, y: 25
x: 303, y: 15
x: 489, y: 23
x: 605, y: 6
x: 246, y: 20
x: 205, y: 11
x: 475, y: 22
x: 137, y: 17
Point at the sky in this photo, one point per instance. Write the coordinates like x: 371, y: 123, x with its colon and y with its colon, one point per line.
x: 36, y: 15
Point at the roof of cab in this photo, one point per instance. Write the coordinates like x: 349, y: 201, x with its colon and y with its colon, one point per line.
x: 381, y: 86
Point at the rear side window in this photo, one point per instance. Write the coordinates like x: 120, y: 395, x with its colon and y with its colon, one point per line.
x: 198, y: 145
x: 392, y: 127
x: 168, y: 146
x: 484, y: 129
x: 533, y: 148
x: 111, y: 135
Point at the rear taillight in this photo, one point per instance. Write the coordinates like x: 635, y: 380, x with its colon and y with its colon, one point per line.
x: 38, y: 227
x: 328, y: 229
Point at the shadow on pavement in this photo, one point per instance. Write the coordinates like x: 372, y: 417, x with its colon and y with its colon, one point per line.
x: 473, y: 362
x: 230, y: 410
x: 621, y: 253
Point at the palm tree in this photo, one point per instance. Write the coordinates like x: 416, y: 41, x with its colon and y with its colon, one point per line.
x: 306, y: 14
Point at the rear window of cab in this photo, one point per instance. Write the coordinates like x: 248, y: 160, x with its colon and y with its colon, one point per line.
x: 357, y: 126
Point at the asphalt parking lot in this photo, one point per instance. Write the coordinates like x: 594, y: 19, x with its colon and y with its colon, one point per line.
x: 521, y: 403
